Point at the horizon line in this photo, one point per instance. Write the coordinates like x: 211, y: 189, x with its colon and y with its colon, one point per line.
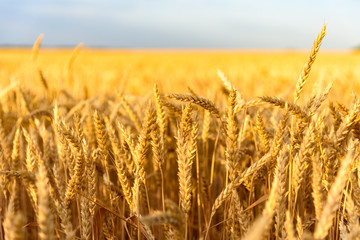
x: 124, y: 48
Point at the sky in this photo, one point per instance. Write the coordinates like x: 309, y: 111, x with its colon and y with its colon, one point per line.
x: 214, y: 24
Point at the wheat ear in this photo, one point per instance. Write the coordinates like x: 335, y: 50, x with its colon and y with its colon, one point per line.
x: 334, y: 195
x: 306, y: 69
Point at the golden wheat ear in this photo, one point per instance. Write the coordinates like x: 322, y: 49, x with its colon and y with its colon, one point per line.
x: 306, y: 69
x: 36, y: 47
x: 14, y: 219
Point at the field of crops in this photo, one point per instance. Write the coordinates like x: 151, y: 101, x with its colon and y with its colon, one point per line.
x: 171, y: 144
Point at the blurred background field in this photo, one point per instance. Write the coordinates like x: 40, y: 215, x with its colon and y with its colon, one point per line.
x: 254, y: 72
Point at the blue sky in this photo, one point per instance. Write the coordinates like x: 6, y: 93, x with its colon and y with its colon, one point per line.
x: 181, y: 24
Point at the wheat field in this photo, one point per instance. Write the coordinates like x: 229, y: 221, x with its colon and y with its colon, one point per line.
x: 139, y: 144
